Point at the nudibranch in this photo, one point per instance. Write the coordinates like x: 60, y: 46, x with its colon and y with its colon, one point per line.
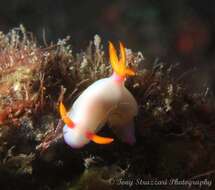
x: 105, y: 101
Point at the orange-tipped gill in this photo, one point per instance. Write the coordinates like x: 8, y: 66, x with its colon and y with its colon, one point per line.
x: 119, y: 65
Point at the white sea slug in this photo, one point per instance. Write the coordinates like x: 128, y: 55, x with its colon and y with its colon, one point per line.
x: 105, y: 101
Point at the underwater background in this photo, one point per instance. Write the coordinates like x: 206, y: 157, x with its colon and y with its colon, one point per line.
x: 161, y: 28
x: 171, y: 45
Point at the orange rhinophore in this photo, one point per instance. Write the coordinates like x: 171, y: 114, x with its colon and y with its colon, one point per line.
x: 91, y: 136
x: 64, y: 117
x: 98, y: 139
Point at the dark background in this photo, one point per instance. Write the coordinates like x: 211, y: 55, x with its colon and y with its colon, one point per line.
x: 175, y: 30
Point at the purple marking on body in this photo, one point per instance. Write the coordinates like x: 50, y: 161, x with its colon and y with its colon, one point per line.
x: 118, y: 78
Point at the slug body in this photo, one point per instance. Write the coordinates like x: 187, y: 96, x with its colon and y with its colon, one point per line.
x: 106, y: 100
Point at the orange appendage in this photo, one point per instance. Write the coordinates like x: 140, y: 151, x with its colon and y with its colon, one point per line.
x: 98, y: 139
x: 119, y: 65
x: 64, y: 117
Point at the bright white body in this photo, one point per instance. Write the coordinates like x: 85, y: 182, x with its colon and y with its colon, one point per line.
x: 106, y: 100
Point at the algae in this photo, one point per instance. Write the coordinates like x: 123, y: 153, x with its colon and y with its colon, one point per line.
x: 175, y: 126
